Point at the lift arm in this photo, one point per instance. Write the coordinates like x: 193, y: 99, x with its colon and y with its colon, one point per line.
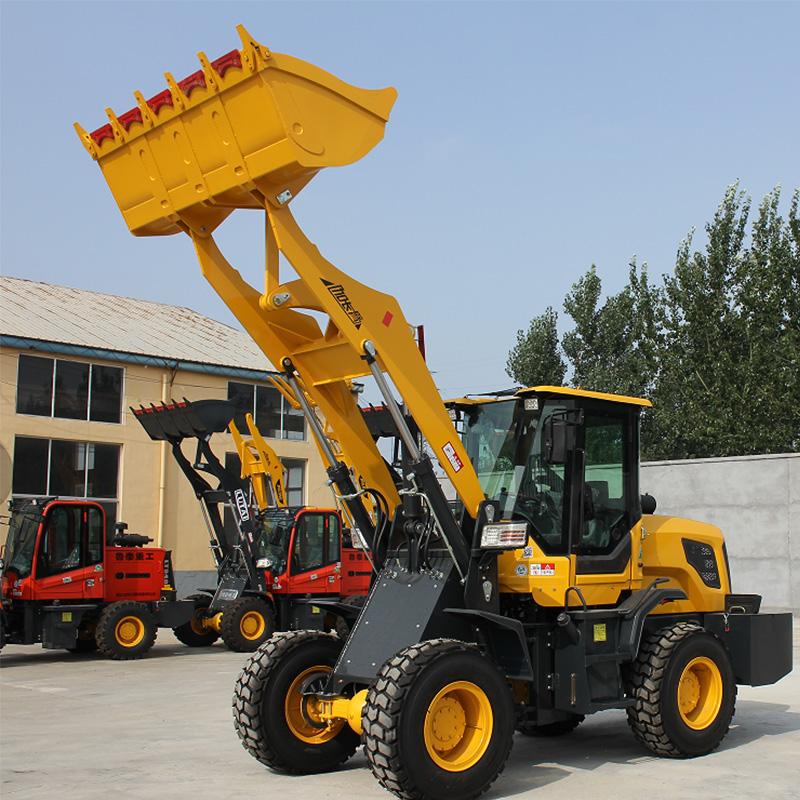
x: 261, y: 464
x: 250, y: 130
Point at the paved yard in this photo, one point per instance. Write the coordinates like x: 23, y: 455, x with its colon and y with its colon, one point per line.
x: 87, y: 727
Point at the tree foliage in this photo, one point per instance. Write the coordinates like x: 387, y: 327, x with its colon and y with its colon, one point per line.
x: 536, y: 358
x: 716, y: 347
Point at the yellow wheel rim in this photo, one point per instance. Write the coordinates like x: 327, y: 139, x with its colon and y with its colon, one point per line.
x: 196, y: 624
x: 302, y: 712
x: 252, y: 625
x: 129, y: 631
x: 700, y: 693
x: 458, y: 726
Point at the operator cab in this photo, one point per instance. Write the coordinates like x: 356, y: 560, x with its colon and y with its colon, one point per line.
x: 298, y: 540
x: 563, y: 460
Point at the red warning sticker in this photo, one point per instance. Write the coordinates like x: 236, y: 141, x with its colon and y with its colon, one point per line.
x: 543, y: 569
x: 452, y: 457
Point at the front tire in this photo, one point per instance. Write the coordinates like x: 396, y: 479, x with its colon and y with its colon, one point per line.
x: 438, y: 722
x: 275, y: 722
x: 246, y: 624
x: 193, y: 633
x: 685, y: 692
x: 125, y: 630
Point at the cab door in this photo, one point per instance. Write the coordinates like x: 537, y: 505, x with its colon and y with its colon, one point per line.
x: 609, y: 522
x: 69, y: 555
x: 314, y: 564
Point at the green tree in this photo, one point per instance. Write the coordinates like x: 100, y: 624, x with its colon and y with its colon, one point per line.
x: 699, y: 400
x: 717, y: 348
x: 536, y: 359
x: 728, y: 383
x: 614, y: 347
x: 769, y: 299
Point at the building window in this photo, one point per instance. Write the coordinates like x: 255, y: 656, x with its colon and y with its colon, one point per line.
x: 66, y: 469
x: 295, y: 481
x: 57, y: 387
x: 274, y: 416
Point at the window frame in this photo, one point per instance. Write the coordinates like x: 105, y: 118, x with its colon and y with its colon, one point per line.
x: 286, y: 411
x: 109, y: 503
x: 90, y: 380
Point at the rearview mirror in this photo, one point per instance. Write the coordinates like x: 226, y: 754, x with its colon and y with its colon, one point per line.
x: 556, y: 444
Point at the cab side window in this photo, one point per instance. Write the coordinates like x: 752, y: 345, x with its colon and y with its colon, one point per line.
x: 332, y: 554
x: 605, y: 486
x: 95, y: 536
x: 309, y: 543
x: 316, y: 542
x: 60, y: 548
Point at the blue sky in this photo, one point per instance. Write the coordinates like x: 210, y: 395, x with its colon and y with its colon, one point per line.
x: 529, y: 141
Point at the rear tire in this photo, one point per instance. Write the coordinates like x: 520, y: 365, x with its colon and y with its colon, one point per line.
x: 438, y: 722
x: 685, y: 692
x: 246, y: 624
x: 125, y: 630
x: 275, y: 725
x: 193, y: 633
x: 343, y: 626
x: 85, y: 641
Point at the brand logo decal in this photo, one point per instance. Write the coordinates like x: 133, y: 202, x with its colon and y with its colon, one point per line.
x: 241, y: 504
x: 340, y: 296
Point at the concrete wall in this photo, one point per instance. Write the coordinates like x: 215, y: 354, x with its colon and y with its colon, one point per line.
x: 755, y: 500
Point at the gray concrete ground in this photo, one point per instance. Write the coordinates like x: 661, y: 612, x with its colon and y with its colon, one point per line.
x: 86, y: 727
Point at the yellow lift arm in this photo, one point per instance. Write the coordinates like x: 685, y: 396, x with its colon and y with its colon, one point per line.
x: 261, y: 464
x: 250, y: 130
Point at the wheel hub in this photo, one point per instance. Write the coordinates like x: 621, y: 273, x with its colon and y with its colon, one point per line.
x: 458, y: 726
x: 252, y: 625
x: 700, y: 693
x: 448, y: 722
x: 129, y: 631
x: 689, y: 692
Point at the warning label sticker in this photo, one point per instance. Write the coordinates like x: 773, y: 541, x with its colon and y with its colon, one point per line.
x: 543, y: 569
x: 452, y: 457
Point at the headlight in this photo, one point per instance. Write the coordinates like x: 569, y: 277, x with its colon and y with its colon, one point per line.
x: 505, y: 535
x: 265, y: 563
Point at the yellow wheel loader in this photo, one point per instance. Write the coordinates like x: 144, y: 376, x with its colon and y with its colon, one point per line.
x: 549, y: 592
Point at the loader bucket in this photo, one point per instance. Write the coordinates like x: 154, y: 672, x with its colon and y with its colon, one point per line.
x: 248, y: 127
x: 174, y: 422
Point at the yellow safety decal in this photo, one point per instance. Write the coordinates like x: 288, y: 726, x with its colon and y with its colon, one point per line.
x: 600, y: 632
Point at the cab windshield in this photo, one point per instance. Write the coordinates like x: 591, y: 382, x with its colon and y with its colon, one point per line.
x: 21, y: 541
x: 273, y: 539
x: 505, y: 442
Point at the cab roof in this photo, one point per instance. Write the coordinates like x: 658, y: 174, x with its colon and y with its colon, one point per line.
x: 533, y: 390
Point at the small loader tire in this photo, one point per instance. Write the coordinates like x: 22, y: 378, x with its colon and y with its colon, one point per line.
x: 86, y: 640
x: 193, y: 633
x: 246, y: 624
x: 274, y: 720
x: 343, y: 625
x: 684, y: 690
x: 125, y: 630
